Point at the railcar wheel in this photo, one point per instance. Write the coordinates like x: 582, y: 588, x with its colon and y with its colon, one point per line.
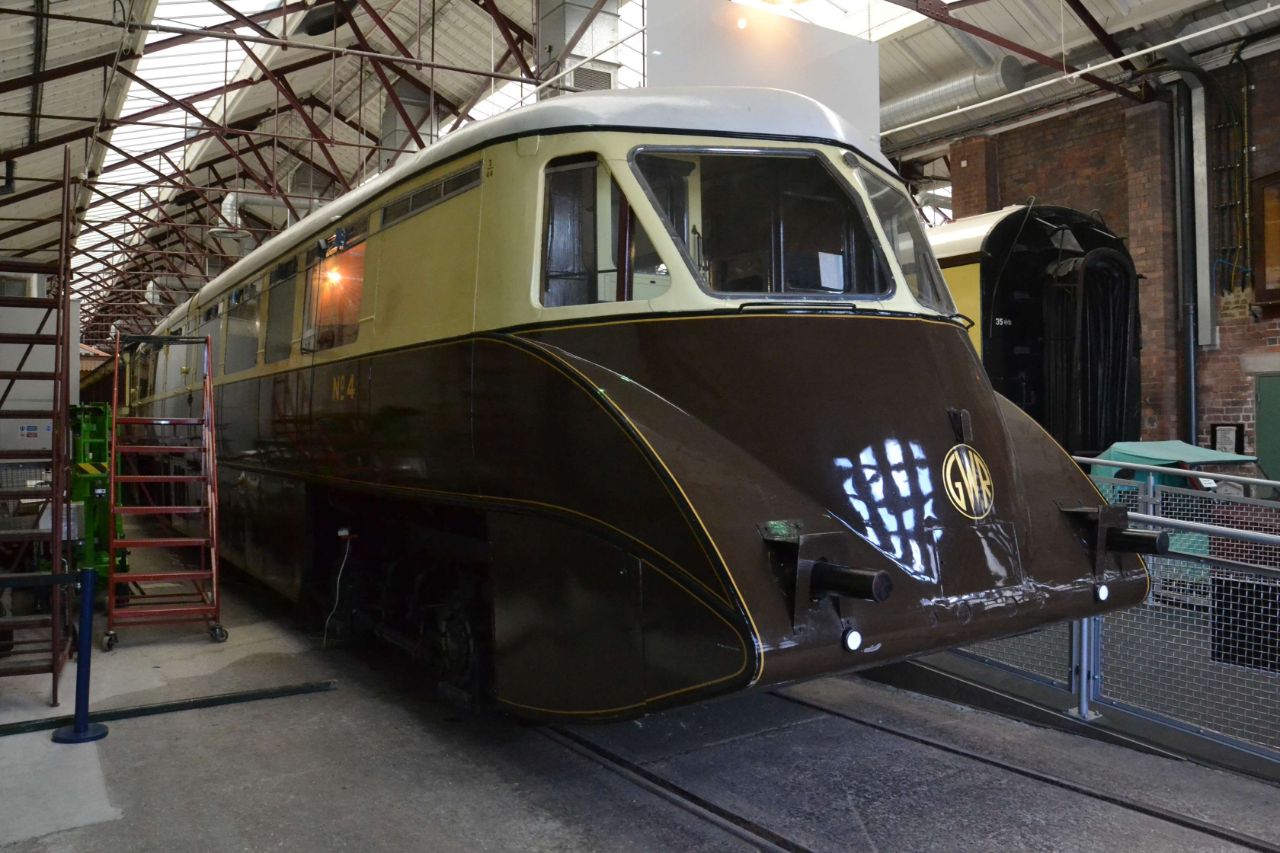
x: 459, y: 650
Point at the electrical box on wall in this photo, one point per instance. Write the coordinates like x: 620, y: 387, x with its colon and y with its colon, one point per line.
x: 714, y: 43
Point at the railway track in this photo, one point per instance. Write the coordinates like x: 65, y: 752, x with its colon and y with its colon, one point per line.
x: 760, y: 836
x: 734, y: 824
x: 1178, y: 819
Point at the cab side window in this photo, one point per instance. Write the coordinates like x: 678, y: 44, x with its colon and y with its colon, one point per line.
x: 594, y: 249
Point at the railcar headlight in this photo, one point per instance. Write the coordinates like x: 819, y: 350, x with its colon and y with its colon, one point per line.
x: 1102, y: 592
x: 852, y: 640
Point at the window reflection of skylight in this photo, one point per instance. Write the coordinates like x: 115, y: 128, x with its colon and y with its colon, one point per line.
x: 869, y: 19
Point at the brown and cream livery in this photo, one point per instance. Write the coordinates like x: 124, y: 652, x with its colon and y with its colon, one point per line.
x: 632, y: 399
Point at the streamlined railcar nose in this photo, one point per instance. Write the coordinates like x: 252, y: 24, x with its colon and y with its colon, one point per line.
x: 863, y: 491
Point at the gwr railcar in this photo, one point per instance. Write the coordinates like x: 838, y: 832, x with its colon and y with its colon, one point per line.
x: 631, y: 399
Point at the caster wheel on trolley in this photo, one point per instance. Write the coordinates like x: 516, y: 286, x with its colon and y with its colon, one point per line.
x: 218, y: 634
x: 109, y: 640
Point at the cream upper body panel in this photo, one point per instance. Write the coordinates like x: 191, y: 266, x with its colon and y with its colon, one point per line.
x: 508, y: 295
x: 718, y: 110
x: 472, y: 262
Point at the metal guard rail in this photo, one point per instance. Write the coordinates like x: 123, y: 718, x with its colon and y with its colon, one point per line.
x: 1210, y: 529
x: 1179, y: 472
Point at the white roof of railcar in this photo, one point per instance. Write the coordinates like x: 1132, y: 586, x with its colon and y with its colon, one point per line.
x: 966, y: 236
x: 711, y: 110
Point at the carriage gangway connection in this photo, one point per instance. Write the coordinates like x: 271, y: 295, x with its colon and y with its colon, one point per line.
x: 177, y: 456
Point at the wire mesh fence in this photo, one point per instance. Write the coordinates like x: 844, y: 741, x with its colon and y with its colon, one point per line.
x: 1203, y: 650
x: 18, y: 515
x: 1045, y: 653
x: 23, y: 475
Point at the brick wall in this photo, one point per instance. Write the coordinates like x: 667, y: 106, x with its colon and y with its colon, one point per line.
x: 973, y: 165
x: 1117, y: 158
x: 1148, y: 223
x: 1248, y: 336
x: 1225, y: 389
x: 1074, y: 160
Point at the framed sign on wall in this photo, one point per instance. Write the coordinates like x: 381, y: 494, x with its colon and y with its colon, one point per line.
x: 1227, y: 438
x: 1266, y: 239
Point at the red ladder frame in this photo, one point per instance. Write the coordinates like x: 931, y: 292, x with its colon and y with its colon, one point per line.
x: 203, y: 603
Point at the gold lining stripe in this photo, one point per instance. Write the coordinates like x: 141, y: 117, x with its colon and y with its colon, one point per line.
x: 476, y: 496
x: 648, y: 700
x: 731, y: 313
x: 755, y: 631
x: 561, y: 366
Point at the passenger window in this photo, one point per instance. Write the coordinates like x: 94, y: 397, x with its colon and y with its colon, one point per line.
x: 594, y: 249
x: 242, y: 329
x: 280, y: 287
x: 211, y: 327
x: 335, y: 289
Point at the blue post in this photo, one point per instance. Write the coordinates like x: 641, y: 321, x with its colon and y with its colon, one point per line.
x: 83, y: 731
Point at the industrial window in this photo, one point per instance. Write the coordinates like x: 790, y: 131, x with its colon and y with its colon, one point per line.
x: 767, y: 223
x: 281, y: 287
x: 242, y: 329
x: 431, y: 195
x: 335, y: 288
x: 594, y: 248
x: 1266, y: 238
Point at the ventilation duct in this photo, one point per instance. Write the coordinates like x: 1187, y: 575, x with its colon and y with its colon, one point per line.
x: 324, y: 19
x: 233, y: 201
x: 558, y: 23
x: 395, y: 136
x: 1003, y: 76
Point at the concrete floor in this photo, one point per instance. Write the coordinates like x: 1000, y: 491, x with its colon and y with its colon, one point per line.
x: 378, y: 764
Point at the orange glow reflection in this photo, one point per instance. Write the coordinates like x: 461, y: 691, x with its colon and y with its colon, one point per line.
x: 338, y: 290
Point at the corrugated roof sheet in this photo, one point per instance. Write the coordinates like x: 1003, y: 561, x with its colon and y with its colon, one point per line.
x: 344, y: 99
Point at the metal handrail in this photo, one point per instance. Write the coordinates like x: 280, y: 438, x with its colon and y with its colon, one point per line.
x: 1210, y: 529
x: 1180, y: 472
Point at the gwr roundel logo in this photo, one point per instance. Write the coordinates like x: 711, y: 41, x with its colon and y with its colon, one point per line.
x: 967, y: 481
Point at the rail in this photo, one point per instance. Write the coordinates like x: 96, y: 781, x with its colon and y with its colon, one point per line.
x: 1208, y: 529
x: 1177, y: 472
